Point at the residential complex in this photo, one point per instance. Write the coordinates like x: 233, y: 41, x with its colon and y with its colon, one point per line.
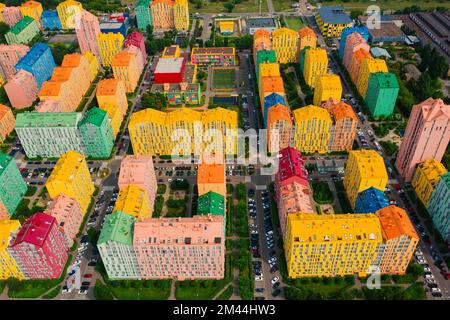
x: 162, y: 15
x: 8, y: 265
x: 285, y: 45
x: 439, y: 204
x: 181, y: 15
x: 9, y: 57
x: 362, y: 30
x: 369, y: 67
x: 87, y: 28
x: 11, y: 15
x: 32, y: 9
x: 7, y: 122
x: 67, y: 11
x: 96, y: 133
x: 109, y: 44
x: 50, y: 20
x: 211, y: 176
x: 133, y: 200
x: 381, y: 95
x: 124, y: 66
x: 279, y: 128
x: 327, y: 86
x: 332, y: 20
x: 370, y: 201
x: 353, y: 43
x: 23, y: 31
x: 316, y: 65
x: 21, y: 89
x: 307, y: 38
x: 143, y: 14
x: 425, y: 179
x: 12, y: 187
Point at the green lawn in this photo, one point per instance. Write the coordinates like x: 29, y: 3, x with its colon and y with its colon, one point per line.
x: 161, y: 189
x: 53, y: 293
x: 224, y: 78
x: 280, y: 5
x: 217, y: 7
x: 321, y: 192
x: 145, y: 290
x: 387, y: 4
x: 294, y: 23
x: 226, y: 295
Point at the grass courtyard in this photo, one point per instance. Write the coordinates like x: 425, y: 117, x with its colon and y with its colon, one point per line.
x: 224, y: 79
x: 294, y: 23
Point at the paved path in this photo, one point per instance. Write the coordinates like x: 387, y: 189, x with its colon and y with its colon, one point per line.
x: 172, y: 290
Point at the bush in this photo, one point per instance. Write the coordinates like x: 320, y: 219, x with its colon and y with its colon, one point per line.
x: 179, y: 184
x: 321, y: 192
x: 102, y: 292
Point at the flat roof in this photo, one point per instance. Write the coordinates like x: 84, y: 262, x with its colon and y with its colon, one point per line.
x: 388, y: 30
x: 169, y: 65
x: 223, y: 50
x: 261, y: 23
x: 334, y: 15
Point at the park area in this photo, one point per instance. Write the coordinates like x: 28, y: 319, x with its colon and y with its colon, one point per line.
x: 386, y: 4
x: 294, y: 23
x: 216, y: 6
x: 223, y: 78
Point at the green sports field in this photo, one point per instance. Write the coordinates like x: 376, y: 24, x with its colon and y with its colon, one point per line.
x: 224, y: 79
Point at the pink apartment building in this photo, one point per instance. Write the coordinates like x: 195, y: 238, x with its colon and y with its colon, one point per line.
x: 40, y: 248
x: 291, y: 185
x: 9, y: 57
x: 354, y: 42
x: 137, y: 40
x: 139, y: 171
x: 87, y: 28
x: 12, y: 15
x: 49, y: 105
x: 22, y: 89
x: 68, y: 215
x: 180, y: 248
x: 426, y: 136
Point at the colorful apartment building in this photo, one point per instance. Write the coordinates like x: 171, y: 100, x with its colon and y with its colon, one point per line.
x: 39, y: 62
x: 61, y: 91
x: 357, y: 59
x: 399, y: 241
x: 179, y: 93
x: 96, y: 133
x: 362, y: 30
x: 370, y: 201
x: 332, y: 20
x: 211, y: 203
x: 68, y: 215
x: 211, y: 176
x: 21, y: 89
x: 12, y: 187
x: 354, y: 42
x: 82, y: 65
x: 133, y: 200
x: 138, y: 171
x: 162, y: 15
x: 50, y: 20
x: 137, y: 40
x: 23, y: 31
x: 369, y: 66
x: 316, y: 65
x: 181, y: 15
x: 214, y: 56
x: 93, y: 64
x: 279, y: 128
x: 425, y: 136
x: 71, y: 177
x: 137, y: 54
x: 32, y: 9
x: 264, y: 56
x: 439, y: 204
x: 194, y: 248
x: 312, y: 129
x: 49, y: 105
x: 292, y: 191
x: 11, y: 15
x: 426, y: 178
x: 285, y: 45
x: 87, y: 28
x: 271, y: 92
x: 109, y: 44
x: 40, y: 248
x: 261, y: 41
x: 382, y: 92
x: 7, y: 122
x: 327, y: 86
x: 125, y: 68
x: 48, y: 135
x: 115, y: 246
x: 8, y: 266
x: 143, y: 14
x: 112, y: 92
x: 365, y: 169
x: 331, y: 245
x: 9, y: 57
x: 67, y: 12
x: 115, y: 117
x: 344, y: 125
x: 271, y: 100
x: 306, y: 38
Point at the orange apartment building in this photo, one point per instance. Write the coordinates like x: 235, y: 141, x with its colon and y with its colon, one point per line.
x: 211, y: 177
x: 358, y: 57
x: 112, y: 91
x: 279, y: 127
x: 125, y: 68
x: 7, y: 122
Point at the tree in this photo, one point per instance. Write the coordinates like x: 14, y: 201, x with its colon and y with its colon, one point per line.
x: 157, y: 101
x: 4, y: 28
x: 149, y: 31
x: 199, y: 4
x: 229, y: 6
x: 355, y: 14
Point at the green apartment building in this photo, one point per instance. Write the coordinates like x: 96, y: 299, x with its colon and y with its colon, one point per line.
x: 382, y: 91
x: 439, y: 206
x: 115, y: 245
x: 212, y: 203
x: 96, y: 133
x: 143, y: 14
x: 12, y: 187
x: 23, y: 31
x: 49, y: 134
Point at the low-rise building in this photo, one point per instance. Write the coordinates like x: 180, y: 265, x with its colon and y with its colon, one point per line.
x: 332, y: 20
x: 214, y: 56
x: 256, y: 23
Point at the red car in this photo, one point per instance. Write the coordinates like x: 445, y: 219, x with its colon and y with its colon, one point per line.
x: 88, y: 275
x: 446, y: 274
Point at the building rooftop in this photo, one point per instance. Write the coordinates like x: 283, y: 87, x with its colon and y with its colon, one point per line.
x: 171, y: 50
x: 122, y: 59
x: 370, y: 164
x: 6, y: 228
x: 387, y: 30
x: 107, y: 87
x: 211, y: 203
x: 339, y: 110
x: 169, y: 65
x: 131, y: 200
x: 118, y: 227
x: 445, y: 178
x: 371, y: 200
x: 51, y: 88
x: 3, y: 110
x: 272, y: 84
x: 94, y: 116
x: 35, y: 229
x: 111, y: 25
x: 261, y: 23
x: 395, y: 223
x: 21, y: 25
x: 31, y: 3
x: 5, y: 160
x: 291, y: 164
x: 379, y: 52
x: 386, y: 79
x: 211, y: 172
x: 72, y: 60
x: 66, y: 167
x: 334, y: 15
x: 48, y: 119
x: 278, y: 112
x: 434, y: 108
x: 306, y: 31
x: 273, y: 99
x: 223, y: 50
x: 61, y: 74
x: 34, y: 54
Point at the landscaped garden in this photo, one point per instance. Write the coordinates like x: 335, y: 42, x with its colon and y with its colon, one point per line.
x: 321, y: 192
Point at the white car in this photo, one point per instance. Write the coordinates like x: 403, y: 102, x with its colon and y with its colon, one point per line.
x: 253, y: 226
x: 259, y: 278
x: 430, y: 281
x: 418, y: 252
x: 421, y: 261
x: 429, y: 276
x: 426, y: 269
x: 66, y: 291
x: 84, y: 292
x: 420, y: 257
x: 274, y: 280
x: 435, y: 290
x: 254, y: 231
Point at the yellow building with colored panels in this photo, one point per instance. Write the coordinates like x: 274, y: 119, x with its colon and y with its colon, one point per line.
x: 327, y: 86
x: 125, y: 68
x: 331, y: 245
x: 332, y: 20
x: 316, y: 65
x: 8, y: 265
x: 223, y: 120
x: 367, y: 67
x: 285, y: 44
x: 162, y: 15
x: 307, y: 38
x: 226, y: 26
x: 181, y: 15
x: 365, y: 169
x: 399, y: 241
x: 67, y: 11
x: 112, y: 92
x: 32, y: 9
x: 109, y: 44
x: 268, y: 70
x: 93, y: 64
x: 115, y: 117
x: 2, y: 7
x: 71, y: 177
x: 133, y: 200
x: 425, y: 179
x: 312, y: 129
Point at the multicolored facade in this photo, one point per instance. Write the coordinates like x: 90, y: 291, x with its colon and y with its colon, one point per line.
x: 369, y: 66
x: 21, y: 89
x: 125, y: 68
x: 382, y: 92
x: 312, y: 129
x: 9, y: 57
x: 439, y: 204
x: 211, y: 177
x: 365, y: 169
x: 307, y: 38
x: 285, y: 45
x: 109, y: 44
x: 143, y: 14
x: 96, y: 133
x: 327, y: 86
x: 112, y: 92
x: 12, y: 187
x: 214, y: 56
x: 40, y: 248
x: 424, y: 138
x: 87, y: 28
x: 8, y: 265
x: 181, y: 15
x: 133, y: 200
x: 11, y: 15
x: 137, y: 40
x: 67, y: 12
x: 71, y: 177
x: 357, y: 59
x: 332, y: 20
x: 425, y: 179
x: 271, y: 100
x: 162, y: 15
x: 279, y: 128
x: 316, y: 65
x: 362, y: 30
x: 370, y: 201
x: 32, y: 9
x: 23, y: 31
x: 354, y: 42
x: 7, y: 122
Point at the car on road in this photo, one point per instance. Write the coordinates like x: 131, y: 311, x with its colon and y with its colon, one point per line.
x: 259, y: 278
x: 85, y: 283
x: 276, y: 292
x: 426, y: 269
x: 66, y: 290
x: 88, y: 276
x: 429, y: 276
x: 276, y: 285
x: 259, y: 289
x: 436, y: 294
x: 274, y: 280
x: 82, y: 292
x: 429, y: 281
